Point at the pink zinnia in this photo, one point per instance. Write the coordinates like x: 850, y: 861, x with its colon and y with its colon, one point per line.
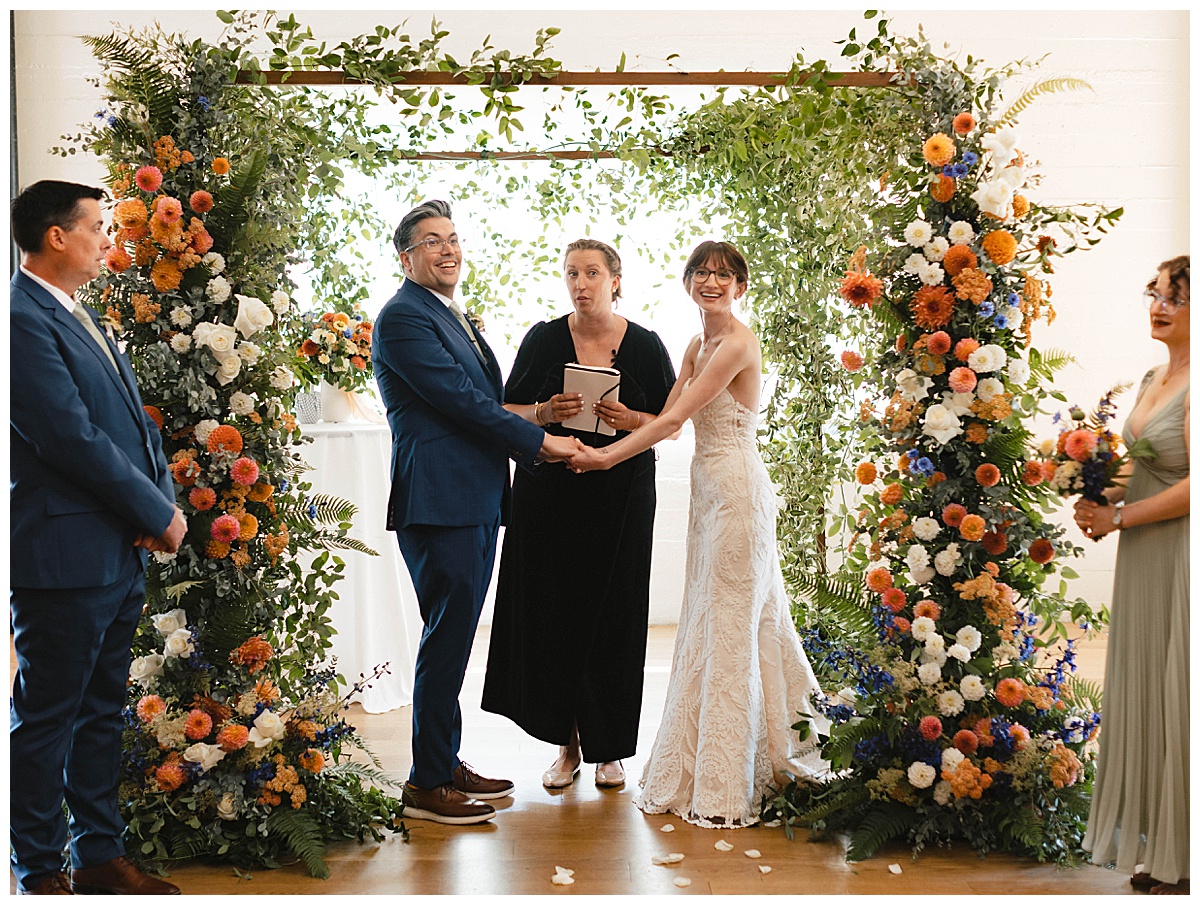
x: 963, y: 380
x: 894, y: 599
x: 244, y: 471
x: 226, y: 528
x: 1080, y: 444
x: 931, y: 728
x: 148, y: 179
x: 851, y: 360
x: 202, y: 498
x: 168, y: 210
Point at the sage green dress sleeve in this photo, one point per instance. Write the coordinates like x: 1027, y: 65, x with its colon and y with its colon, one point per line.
x: 1139, y: 812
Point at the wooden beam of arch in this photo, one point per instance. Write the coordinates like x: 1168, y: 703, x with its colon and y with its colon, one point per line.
x: 575, y: 79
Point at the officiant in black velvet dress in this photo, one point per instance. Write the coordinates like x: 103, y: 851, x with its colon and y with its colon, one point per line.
x: 568, y: 640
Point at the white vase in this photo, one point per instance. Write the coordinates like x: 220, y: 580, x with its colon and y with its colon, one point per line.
x: 336, y: 403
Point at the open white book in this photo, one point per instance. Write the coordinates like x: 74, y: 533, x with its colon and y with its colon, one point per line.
x: 595, y: 384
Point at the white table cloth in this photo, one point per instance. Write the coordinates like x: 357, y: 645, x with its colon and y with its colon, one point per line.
x: 376, y: 616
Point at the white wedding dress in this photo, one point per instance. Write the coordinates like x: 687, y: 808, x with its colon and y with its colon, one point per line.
x: 739, y: 675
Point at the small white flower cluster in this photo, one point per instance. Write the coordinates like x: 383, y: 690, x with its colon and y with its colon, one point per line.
x: 1068, y: 476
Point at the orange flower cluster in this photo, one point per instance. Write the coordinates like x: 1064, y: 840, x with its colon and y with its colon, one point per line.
x: 976, y: 433
x: 144, y: 311
x: 254, y: 654
x: 967, y: 780
x: 312, y: 760
x: 1000, y: 246
x: 167, y: 155
x: 184, y: 467
x: 1020, y: 206
x: 286, y: 781
x: 224, y: 438
x: 938, y: 149
x: 997, y: 408
x: 1064, y: 766
x: 932, y: 306
x: 892, y: 494
x: 972, y: 285
x: 276, y: 544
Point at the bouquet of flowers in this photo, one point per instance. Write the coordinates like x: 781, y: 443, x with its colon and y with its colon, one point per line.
x: 1086, y: 459
x: 336, y: 349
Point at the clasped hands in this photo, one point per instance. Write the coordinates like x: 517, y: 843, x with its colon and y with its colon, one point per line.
x: 169, y: 540
x: 1094, y: 520
x: 578, y: 456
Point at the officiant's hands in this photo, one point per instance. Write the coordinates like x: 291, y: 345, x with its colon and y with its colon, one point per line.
x: 561, y: 406
x: 616, y: 415
x: 558, y: 449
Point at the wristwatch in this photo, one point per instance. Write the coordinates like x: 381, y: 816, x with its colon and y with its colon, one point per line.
x: 1116, y: 518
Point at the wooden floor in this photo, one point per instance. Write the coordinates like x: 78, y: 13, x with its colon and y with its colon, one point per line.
x: 608, y: 842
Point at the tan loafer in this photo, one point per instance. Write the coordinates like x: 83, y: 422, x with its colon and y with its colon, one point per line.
x: 560, y: 779
x: 610, y: 775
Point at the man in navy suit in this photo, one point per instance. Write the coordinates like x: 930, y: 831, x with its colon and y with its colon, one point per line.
x: 89, y: 496
x: 451, y: 442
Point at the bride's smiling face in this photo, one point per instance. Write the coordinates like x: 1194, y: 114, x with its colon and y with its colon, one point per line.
x: 714, y: 287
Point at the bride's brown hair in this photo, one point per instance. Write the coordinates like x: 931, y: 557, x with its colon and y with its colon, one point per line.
x: 720, y: 254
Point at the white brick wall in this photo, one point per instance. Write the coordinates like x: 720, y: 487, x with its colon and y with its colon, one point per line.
x: 1124, y: 143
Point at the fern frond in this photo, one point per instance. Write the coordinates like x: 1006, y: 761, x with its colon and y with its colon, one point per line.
x: 234, y: 200
x: 1006, y: 450
x: 333, y: 542
x: 886, y: 822
x: 227, y: 626
x: 1045, y: 364
x: 849, y: 798
x: 330, y: 510
x: 1024, y: 827
x: 145, y: 80
x: 1046, y: 86
x: 1084, y: 691
x: 840, y: 595
x: 304, y: 837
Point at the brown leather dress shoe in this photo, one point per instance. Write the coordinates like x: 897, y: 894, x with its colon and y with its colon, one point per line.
x: 472, y: 784
x: 55, y: 884
x: 120, y: 877
x: 445, y: 804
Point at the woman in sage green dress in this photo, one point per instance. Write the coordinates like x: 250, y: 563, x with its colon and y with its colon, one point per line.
x: 1139, y: 813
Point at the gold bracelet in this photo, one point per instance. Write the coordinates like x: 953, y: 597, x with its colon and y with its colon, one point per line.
x: 638, y: 416
x: 537, y: 414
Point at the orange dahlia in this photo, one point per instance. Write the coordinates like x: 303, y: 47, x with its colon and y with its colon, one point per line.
x: 253, y: 653
x: 929, y: 609
x: 311, y: 760
x: 995, y: 542
x: 249, y: 529
x: 200, y: 201
x: 225, y: 529
x: 938, y: 343
x: 957, y: 259
x: 861, y: 289
x: 894, y: 599
x: 866, y: 473
x: 972, y: 527
x: 202, y: 498
x: 963, y: 380
x: 964, y: 123
x: 938, y: 149
x: 170, y: 776
x: 972, y: 285
x: 879, y: 579
x: 225, y: 437
x: 1000, y: 246
x: 932, y: 307
x: 166, y: 275
x: 244, y: 471
x: 148, y: 179
x: 233, y: 737
x: 1020, y: 206
x: 1031, y: 475
x: 930, y: 728
x: 987, y: 474
x: 220, y: 166
x: 964, y: 347
x: 851, y: 361
x: 155, y: 415
x: 198, y: 726
x: 130, y: 212
x: 891, y: 495
x: 941, y: 188
x: 117, y: 259
x: 966, y: 741
x: 1010, y: 692
x: 150, y: 707
x: 1080, y: 444
x: 954, y: 514
x: 1041, y: 551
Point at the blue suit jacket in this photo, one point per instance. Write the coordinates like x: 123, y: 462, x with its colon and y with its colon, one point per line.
x: 87, y: 471
x: 451, y: 437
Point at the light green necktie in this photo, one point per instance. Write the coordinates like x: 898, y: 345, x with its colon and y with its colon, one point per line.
x: 462, y: 319
x: 81, y: 315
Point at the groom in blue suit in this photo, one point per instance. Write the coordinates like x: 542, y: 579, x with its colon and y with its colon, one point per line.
x: 451, y: 442
x: 89, y: 496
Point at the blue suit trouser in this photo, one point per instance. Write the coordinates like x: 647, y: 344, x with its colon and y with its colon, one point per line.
x: 73, y: 653
x: 451, y: 569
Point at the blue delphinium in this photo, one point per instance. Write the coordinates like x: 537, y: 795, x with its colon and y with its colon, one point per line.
x: 870, y: 749
x: 205, y: 103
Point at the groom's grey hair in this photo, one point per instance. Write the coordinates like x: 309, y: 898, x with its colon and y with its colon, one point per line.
x: 408, y: 225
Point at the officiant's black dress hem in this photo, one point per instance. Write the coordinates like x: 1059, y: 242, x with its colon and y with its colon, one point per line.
x: 568, y: 641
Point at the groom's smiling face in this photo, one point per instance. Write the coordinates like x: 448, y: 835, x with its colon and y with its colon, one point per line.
x: 435, y: 267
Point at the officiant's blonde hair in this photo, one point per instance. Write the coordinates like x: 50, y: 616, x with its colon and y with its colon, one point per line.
x: 612, y: 260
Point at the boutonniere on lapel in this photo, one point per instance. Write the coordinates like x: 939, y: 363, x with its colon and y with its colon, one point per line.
x: 110, y: 320
x: 475, y: 318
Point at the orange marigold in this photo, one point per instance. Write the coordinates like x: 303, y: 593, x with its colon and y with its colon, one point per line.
x: 938, y: 343
x: 866, y: 473
x: 233, y: 737
x: 166, y: 275
x: 224, y: 437
x: 220, y: 166
x: 216, y: 549
x: 260, y: 492
x: 199, y: 724
x: 249, y: 529
x: 987, y: 474
x: 967, y: 781
x: 130, y: 212
x: 972, y: 285
x: 972, y: 527
x: 932, y: 307
x: 891, y: 495
x: 1000, y: 246
x: 879, y: 579
x: 1010, y: 692
x: 170, y: 776
x: 938, y: 149
x: 312, y: 760
x: 963, y: 123
x: 1020, y: 206
x: 861, y: 289
x: 957, y: 259
x: 941, y: 188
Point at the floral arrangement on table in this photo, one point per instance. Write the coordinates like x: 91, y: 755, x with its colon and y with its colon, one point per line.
x: 336, y: 349
x: 235, y: 743
x: 960, y: 719
x: 1086, y: 458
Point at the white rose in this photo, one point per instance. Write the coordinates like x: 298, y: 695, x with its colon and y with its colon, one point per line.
x: 201, y: 332
x: 181, y: 342
x: 252, y: 316
x: 1014, y: 316
x: 950, y: 703
x: 915, y: 263
x: 241, y: 404
x: 932, y: 275
x: 230, y: 366
x: 943, y: 792
x: 961, y: 233
x: 214, y: 262
x: 204, y: 428
x: 268, y: 727
x: 952, y: 757
x: 917, y: 557
x: 994, y: 198
x: 946, y: 562
x: 926, y: 528
x: 921, y: 576
x: 1012, y: 176
x: 936, y: 250
x: 179, y: 644
x: 988, y: 389
x: 968, y: 636
x: 173, y: 621
x: 282, y: 378
x: 917, y: 233
x: 941, y: 424
x: 221, y: 338
x: 218, y: 289
x: 143, y: 669
x: 958, y: 403
x: 922, y: 628
x: 1018, y: 373
x: 225, y: 807
x: 847, y: 697
x: 921, y: 775
x: 958, y: 652
x: 972, y: 688
x: 913, y: 386
x: 181, y: 316
x: 207, y: 756
x: 248, y: 352
x: 280, y: 301
x: 987, y: 358
x: 1001, y: 144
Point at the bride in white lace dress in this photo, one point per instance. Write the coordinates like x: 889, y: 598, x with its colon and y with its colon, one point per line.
x: 739, y: 677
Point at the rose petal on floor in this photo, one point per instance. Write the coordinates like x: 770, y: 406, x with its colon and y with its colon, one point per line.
x: 667, y: 828
x: 753, y: 853
x: 682, y: 882
x: 764, y: 869
x: 722, y: 846
x: 895, y: 868
x: 669, y: 858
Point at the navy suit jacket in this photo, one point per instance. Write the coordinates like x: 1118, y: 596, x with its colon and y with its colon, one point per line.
x: 87, y: 471
x: 451, y: 437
